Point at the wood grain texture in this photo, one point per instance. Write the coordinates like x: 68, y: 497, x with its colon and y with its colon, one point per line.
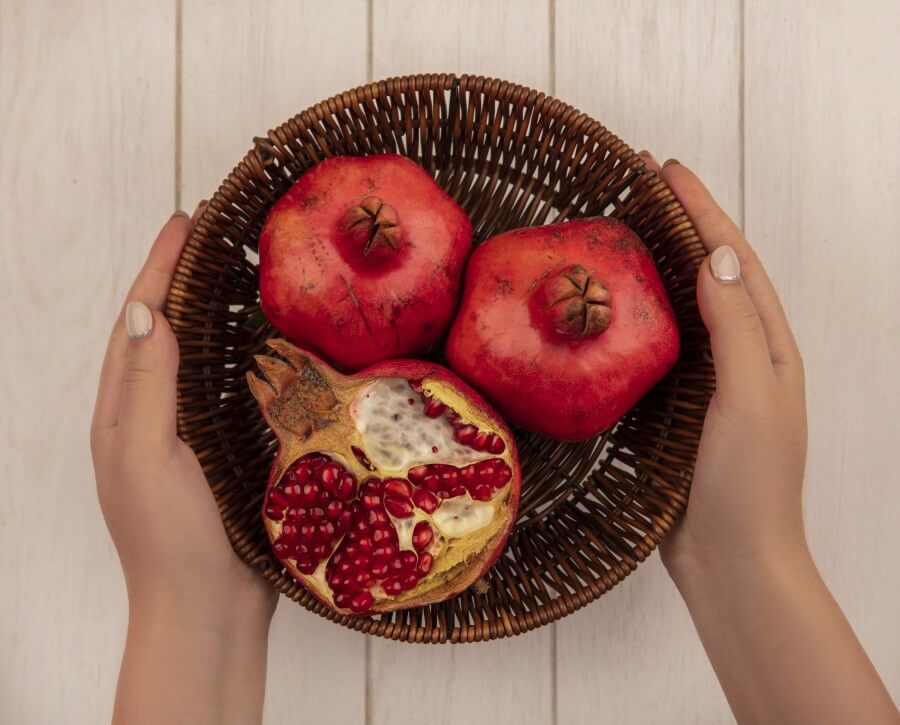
x: 246, y: 68
x: 88, y: 146
x: 511, y: 680
x: 86, y: 139
x: 822, y: 191
x: 662, y: 76
x: 506, y: 39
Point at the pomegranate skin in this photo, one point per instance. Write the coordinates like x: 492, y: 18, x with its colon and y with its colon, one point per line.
x: 564, y: 327
x: 361, y: 260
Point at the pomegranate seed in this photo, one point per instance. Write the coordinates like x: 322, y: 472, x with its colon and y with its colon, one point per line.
x: 434, y: 408
x: 300, y: 474
x: 345, y: 488
x: 310, y: 492
x: 459, y: 490
x: 501, y: 478
x: 342, y: 599
x: 465, y: 434
x: 292, y: 490
x: 449, y: 476
x: 363, y: 579
x: 362, y: 602
x: 496, y: 445
x: 329, y: 475
x: 361, y: 525
x: 362, y: 458
x: 378, y: 516
x: 316, y: 514
x: 365, y: 545
x: 486, y: 469
x: 277, y: 496
x: 385, y: 551
x: 424, y: 565
x: 321, y: 550
x: 307, y: 564
x: 289, y: 530
x: 468, y: 475
x: 397, y: 487
x: 482, y: 441
x: 422, y: 536
x: 381, y: 535
x: 425, y: 500
x: 408, y: 581
x: 402, y: 508
x: 350, y: 550
x: 371, y: 501
x: 333, y: 510
x: 407, y: 559
x: 282, y: 548
x: 360, y: 561
x: 417, y: 474
x: 371, y: 486
x: 315, y: 461
x: 432, y: 482
x: 275, y: 512
x: 296, y: 514
x: 344, y: 568
x: 482, y: 492
x: 379, y: 569
x: 392, y: 586
x: 434, y: 449
x: 325, y: 532
x: 344, y: 521
x: 307, y: 531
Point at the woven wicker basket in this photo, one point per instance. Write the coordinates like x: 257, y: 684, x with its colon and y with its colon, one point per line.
x: 511, y: 157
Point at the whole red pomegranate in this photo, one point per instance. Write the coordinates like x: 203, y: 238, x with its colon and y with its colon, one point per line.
x: 564, y: 327
x: 361, y: 260
x: 392, y: 488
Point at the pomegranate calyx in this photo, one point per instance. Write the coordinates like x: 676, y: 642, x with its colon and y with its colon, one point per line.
x: 374, y: 227
x: 577, y: 305
x: 295, y: 397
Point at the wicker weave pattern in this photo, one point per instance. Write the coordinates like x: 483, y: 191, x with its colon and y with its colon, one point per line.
x: 511, y: 157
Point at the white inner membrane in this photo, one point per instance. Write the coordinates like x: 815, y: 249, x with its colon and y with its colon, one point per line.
x: 398, y: 435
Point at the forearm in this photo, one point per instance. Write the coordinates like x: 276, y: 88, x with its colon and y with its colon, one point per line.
x: 780, y: 645
x: 179, y: 668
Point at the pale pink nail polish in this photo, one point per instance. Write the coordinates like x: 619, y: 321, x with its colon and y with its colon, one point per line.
x: 724, y: 265
x: 138, y: 320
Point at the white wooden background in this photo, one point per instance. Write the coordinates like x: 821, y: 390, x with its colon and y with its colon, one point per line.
x: 116, y: 111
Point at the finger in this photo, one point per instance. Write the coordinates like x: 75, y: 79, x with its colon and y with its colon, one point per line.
x: 151, y: 286
x: 649, y: 161
x: 148, y: 398
x: 716, y: 229
x: 739, y: 349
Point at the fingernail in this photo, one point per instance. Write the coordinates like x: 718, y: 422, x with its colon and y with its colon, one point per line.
x: 724, y: 265
x: 646, y: 155
x: 670, y: 162
x: 181, y: 213
x: 138, y: 320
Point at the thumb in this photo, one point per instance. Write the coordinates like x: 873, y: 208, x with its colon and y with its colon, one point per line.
x: 148, y: 401
x: 739, y: 348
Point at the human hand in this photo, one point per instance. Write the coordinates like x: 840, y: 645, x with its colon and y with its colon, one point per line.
x: 745, y: 500
x: 178, y: 563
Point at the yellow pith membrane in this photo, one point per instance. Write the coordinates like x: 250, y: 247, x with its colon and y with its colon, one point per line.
x: 388, y: 492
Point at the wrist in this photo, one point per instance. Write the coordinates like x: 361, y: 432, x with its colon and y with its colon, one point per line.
x: 244, y: 615
x: 695, y: 567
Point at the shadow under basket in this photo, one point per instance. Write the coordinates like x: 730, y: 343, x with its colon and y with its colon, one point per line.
x: 511, y: 157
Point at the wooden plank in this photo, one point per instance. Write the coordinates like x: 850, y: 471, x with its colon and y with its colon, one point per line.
x: 506, y: 39
x: 822, y: 187
x: 86, y: 138
x: 662, y: 76
x: 511, y: 680
x: 247, y: 67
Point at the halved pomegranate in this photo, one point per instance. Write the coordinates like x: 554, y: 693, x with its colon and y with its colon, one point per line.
x: 392, y: 488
